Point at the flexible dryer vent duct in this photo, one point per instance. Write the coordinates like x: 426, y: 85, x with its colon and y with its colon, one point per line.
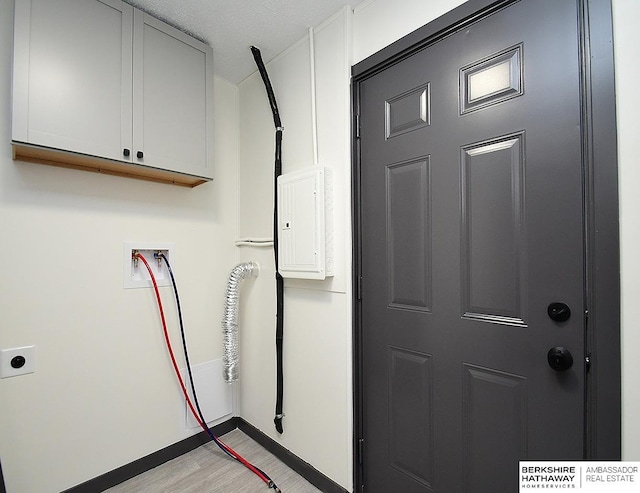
x: 230, y: 319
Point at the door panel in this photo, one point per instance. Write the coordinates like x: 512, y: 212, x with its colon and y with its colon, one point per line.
x: 492, y: 233
x: 410, y: 414
x: 471, y: 225
x: 409, y: 254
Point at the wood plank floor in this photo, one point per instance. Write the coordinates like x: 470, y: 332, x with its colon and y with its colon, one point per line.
x: 208, y: 470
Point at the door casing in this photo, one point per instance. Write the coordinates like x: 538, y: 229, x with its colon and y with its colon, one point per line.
x: 601, y: 235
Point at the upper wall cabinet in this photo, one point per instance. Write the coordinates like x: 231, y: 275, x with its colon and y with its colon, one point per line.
x: 100, y: 85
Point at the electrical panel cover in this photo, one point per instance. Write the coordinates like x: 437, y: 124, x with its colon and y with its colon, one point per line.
x: 305, y: 223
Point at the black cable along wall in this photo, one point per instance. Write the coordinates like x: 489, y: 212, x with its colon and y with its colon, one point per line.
x: 277, y: 420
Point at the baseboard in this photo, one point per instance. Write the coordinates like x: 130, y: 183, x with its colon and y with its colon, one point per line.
x: 155, y: 459
x: 306, y: 470
x: 2, y: 486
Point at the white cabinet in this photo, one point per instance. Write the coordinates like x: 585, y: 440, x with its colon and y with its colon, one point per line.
x: 172, y: 97
x: 100, y: 85
x: 72, y: 86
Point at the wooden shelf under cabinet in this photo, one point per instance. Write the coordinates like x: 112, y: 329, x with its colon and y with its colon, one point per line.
x: 66, y: 159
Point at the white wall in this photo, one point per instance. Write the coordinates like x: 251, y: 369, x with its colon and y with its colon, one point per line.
x: 103, y: 393
x: 317, y: 334
x: 626, y: 14
x: 378, y: 23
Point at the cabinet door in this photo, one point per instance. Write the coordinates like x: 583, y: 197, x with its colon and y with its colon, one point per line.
x: 72, y: 75
x: 173, y: 76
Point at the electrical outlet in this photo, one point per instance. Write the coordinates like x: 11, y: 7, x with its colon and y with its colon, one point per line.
x: 135, y: 273
x: 17, y: 361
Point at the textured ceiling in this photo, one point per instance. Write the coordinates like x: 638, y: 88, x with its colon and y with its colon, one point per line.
x: 232, y: 26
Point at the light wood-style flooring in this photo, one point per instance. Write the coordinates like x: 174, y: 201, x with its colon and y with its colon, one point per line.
x: 208, y: 470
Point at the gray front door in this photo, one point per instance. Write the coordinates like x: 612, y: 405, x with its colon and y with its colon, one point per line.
x: 471, y: 184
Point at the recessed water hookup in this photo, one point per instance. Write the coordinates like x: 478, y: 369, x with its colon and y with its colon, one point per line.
x: 135, y: 274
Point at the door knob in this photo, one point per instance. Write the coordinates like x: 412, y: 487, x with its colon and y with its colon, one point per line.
x: 559, y: 358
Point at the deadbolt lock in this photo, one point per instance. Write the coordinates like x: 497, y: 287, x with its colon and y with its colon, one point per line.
x: 559, y: 312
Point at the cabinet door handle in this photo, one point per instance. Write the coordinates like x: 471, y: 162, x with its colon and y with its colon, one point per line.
x: 140, y: 154
x: 126, y: 152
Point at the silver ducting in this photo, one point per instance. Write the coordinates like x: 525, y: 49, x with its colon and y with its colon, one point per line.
x: 230, y: 319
